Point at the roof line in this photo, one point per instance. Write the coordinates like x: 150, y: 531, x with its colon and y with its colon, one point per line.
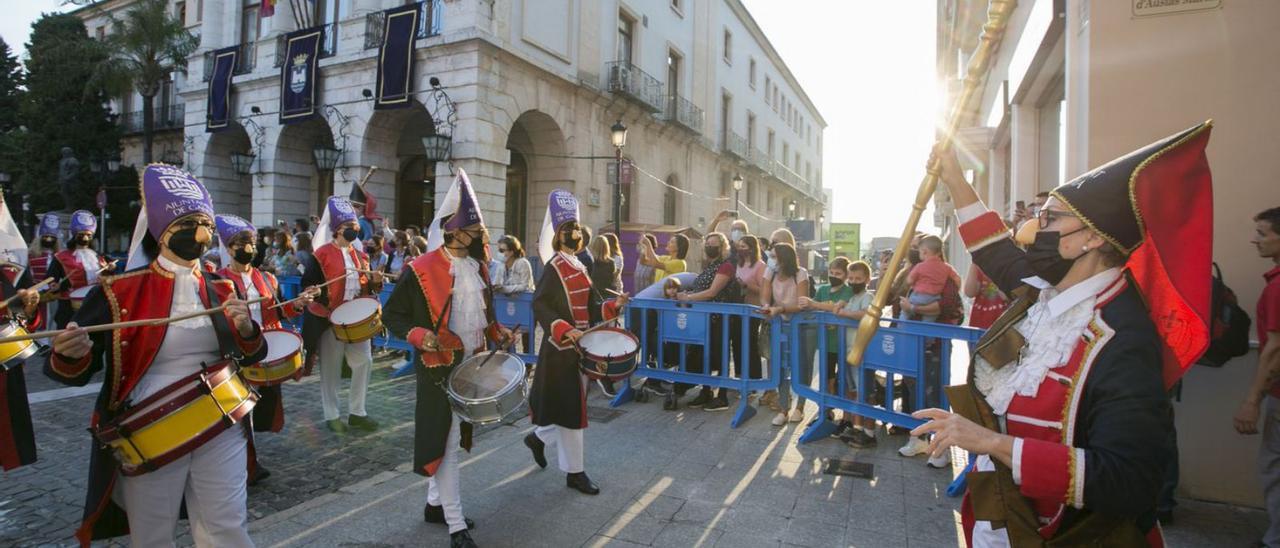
x: 745, y: 16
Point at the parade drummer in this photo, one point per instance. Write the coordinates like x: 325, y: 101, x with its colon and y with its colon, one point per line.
x: 443, y: 306
x: 237, y: 239
x: 174, y: 229
x: 78, y: 265
x: 336, y: 257
x: 17, y: 434
x: 1066, y: 405
x: 564, y: 305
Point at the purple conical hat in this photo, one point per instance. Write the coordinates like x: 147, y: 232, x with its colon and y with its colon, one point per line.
x: 49, y: 225
x: 82, y: 221
x: 230, y: 226
x: 169, y: 194
x: 563, y: 206
x: 468, y: 212
x: 340, y: 211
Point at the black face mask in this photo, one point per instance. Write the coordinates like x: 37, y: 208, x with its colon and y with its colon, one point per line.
x: 836, y: 282
x: 48, y: 243
x: 350, y: 234
x: 711, y: 252
x: 242, y: 256
x: 477, y: 249
x: 913, y: 256
x: 183, y: 244
x: 569, y: 243
x: 858, y: 288
x: 1044, y: 258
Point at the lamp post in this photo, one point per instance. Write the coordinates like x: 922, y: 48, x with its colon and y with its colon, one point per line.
x: 242, y: 163
x: 618, y: 135
x: 438, y: 147
x: 737, y: 189
x: 791, y: 210
x: 326, y: 158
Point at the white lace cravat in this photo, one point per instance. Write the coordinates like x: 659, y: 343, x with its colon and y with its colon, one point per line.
x: 466, y: 314
x: 186, y: 295
x: 89, y: 260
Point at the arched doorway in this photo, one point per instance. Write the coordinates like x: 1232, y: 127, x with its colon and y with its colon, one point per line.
x: 232, y: 192
x: 537, y: 166
x: 300, y: 188
x: 405, y: 181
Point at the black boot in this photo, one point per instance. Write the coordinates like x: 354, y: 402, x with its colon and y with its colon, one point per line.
x: 461, y: 539
x: 582, y: 483
x: 435, y: 514
x: 260, y: 475
x: 703, y: 398
x: 671, y: 403
x: 536, y: 446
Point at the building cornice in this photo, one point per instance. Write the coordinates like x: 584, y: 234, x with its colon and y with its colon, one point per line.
x: 745, y: 17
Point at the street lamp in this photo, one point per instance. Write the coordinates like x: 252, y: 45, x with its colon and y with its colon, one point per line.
x: 113, y: 163
x: 791, y: 210
x: 242, y: 163
x: 438, y: 147
x: 618, y: 136
x: 737, y: 188
x: 326, y: 158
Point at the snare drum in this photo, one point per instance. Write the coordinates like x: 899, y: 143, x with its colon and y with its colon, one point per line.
x: 178, y: 419
x: 486, y: 394
x: 77, y: 296
x: 284, y: 358
x: 609, y: 353
x: 13, y: 354
x: 357, y: 320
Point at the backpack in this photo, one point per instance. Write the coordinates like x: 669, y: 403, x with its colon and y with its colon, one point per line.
x: 1228, y: 325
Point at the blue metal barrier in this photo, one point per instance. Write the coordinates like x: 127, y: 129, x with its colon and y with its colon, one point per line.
x: 897, y: 350
x: 690, y: 327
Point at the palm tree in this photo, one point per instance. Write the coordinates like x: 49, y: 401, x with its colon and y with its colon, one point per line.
x: 141, y: 52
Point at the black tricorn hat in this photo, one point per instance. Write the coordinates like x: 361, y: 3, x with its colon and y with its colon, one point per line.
x: 1106, y: 198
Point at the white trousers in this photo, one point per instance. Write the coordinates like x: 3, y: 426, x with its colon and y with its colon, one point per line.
x: 442, y: 488
x: 569, y: 445
x: 212, y: 478
x: 359, y: 359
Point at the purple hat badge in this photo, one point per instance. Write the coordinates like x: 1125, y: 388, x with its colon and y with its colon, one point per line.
x: 230, y: 226
x: 563, y: 206
x: 468, y: 213
x: 340, y: 211
x: 49, y: 225
x: 170, y: 194
x: 82, y: 221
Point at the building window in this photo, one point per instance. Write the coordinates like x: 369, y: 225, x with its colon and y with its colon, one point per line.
x: 768, y: 85
x: 751, y: 74
x: 250, y: 25
x: 786, y: 152
x: 726, y: 113
x: 673, y: 73
x: 751, y: 132
x: 180, y: 11
x: 796, y: 165
x: 728, y: 47
x: 669, y: 202
x: 771, y: 150
x: 724, y: 184
x: 751, y: 192
x: 768, y: 200
x: 808, y: 171
x: 100, y: 32
x: 626, y: 26
x: 678, y: 7
x: 199, y: 10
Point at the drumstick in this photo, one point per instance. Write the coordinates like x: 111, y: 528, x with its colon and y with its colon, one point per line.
x: 117, y: 325
x: 603, y: 324
x: 363, y: 271
x: 43, y: 283
x: 504, y: 347
x: 295, y: 299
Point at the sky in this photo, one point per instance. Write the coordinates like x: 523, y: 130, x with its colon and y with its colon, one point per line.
x: 869, y: 73
x: 871, y: 76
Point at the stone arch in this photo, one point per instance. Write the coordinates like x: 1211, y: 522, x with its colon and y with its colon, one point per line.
x: 232, y: 193
x: 298, y: 188
x: 405, y: 183
x: 537, y: 166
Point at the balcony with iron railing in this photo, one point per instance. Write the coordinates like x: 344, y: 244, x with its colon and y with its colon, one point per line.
x: 734, y: 144
x: 328, y: 44
x: 164, y: 119
x: 683, y: 112
x: 375, y: 24
x: 629, y: 81
x: 760, y: 160
x: 245, y: 61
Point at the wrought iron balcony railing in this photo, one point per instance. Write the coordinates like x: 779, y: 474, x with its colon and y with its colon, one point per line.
x: 628, y: 80
x: 328, y: 44
x: 683, y: 112
x: 245, y: 61
x: 734, y: 144
x: 375, y: 24
x: 163, y: 119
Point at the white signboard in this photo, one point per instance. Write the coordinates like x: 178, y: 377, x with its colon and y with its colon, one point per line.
x: 1142, y: 8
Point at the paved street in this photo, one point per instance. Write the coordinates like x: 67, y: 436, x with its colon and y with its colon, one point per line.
x: 667, y: 479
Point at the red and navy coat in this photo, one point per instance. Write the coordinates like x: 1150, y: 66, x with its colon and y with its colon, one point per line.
x: 1089, y: 456
x: 268, y: 415
x: 65, y: 268
x: 127, y: 354
x: 421, y: 302
x: 17, y: 436
x: 326, y: 263
x: 564, y: 301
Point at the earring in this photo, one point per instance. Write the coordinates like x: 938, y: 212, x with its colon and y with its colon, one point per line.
x: 1084, y: 248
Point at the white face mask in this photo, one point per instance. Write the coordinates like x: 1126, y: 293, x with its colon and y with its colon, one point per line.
x: 735, y: 235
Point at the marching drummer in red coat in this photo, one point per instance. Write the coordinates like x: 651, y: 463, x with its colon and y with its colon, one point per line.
x: 173, y: 231
x: 238, y: 238
x: 17, y: 437
x: 564, y: 305
x: 78, y: 265
x: 1065, y: 405
x: 338, y: 259
x: 443, y: 306
x: 39, y: 261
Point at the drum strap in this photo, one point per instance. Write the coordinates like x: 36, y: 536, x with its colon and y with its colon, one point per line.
x: 221, y: 326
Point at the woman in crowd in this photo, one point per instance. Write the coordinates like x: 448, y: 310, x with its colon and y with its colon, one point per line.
x: 303, y: 250
x: 283, y: 261
x: 615, y: 249
x: 513, y: 274
x: 642, y: 276
x: 781, y: 297
x: 750, y: 273
x: 603, y: 269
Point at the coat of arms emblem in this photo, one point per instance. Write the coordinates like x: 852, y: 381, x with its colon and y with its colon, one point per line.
x: 298, y: 73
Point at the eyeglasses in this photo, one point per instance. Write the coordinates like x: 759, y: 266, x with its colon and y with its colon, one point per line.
x: 1046, y: 217
x: 193, y: 223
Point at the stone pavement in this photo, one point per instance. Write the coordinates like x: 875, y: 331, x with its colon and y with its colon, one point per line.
x: 668, y: 479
